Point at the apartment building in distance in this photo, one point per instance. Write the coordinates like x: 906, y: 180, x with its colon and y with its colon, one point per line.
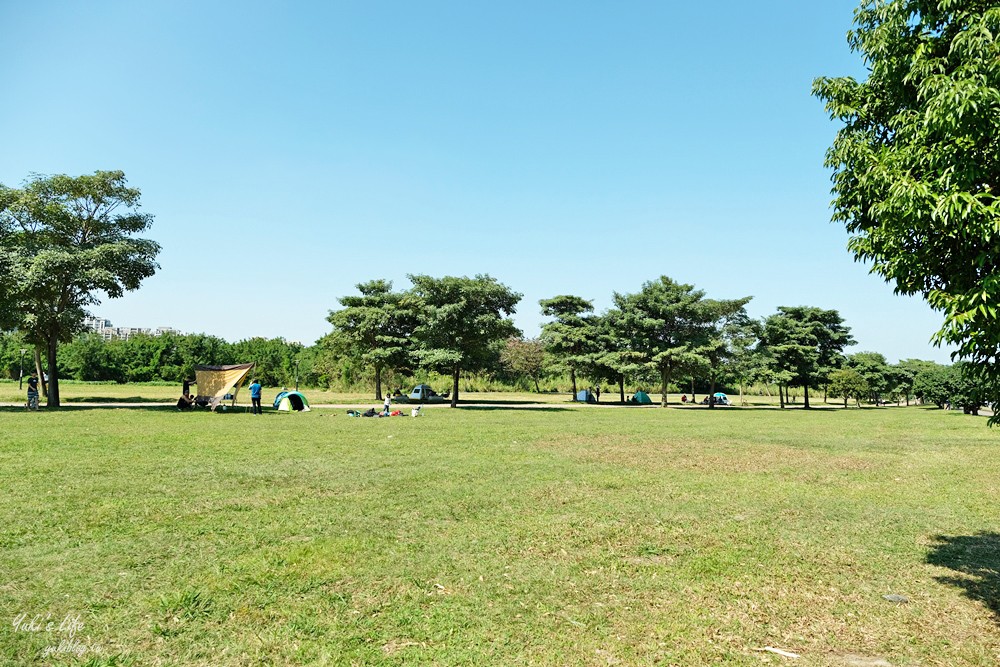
x: 108, y: 331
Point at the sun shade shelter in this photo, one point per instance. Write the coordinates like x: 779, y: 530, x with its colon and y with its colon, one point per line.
x: 216, y: 383
x: 288, y: 401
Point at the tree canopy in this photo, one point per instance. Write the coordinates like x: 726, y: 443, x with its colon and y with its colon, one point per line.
x: 673, y: 327
x: 374, y: 328
x: 463, y: 323
x: 69, y: 240
x: 569, y: 337
x: 805, y: 344
x: 917, y: 162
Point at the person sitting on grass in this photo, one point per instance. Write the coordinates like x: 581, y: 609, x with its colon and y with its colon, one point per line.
x: 185, y: 402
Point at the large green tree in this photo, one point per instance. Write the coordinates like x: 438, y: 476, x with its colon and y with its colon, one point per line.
x: 805, y: 344
x: 375, y: 328
x: 463, y: 323
x: 722, y: 339
x: 917, y: 162
x: 524, y: 357
x: 73, y: 239
x: 848, y: 383
x: 569, y: 337
x: 674, y: 328
x: 876, y: 372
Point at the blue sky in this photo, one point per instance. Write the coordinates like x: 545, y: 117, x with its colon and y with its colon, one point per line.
x: 289, y: 151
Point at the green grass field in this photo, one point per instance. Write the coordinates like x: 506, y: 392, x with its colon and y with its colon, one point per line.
x: 558, y: 536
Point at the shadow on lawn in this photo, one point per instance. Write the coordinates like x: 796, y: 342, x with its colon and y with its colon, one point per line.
x: 976, y: 560
x: 113, y: 399
x: 77, y: 407
x: 81, y: 407
x: 526, y: 408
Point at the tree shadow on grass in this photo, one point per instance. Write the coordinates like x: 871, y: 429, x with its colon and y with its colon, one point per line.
x: 82, y: 407
x: 112, y: 399
x: 976, y: 561
x: 525, y: 408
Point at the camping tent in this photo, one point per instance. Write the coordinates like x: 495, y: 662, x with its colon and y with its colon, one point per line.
x: 642, y: 398
x: 585, y: 396
x: 423, y: 392
x: 217, y: 382
x: 288, y: 401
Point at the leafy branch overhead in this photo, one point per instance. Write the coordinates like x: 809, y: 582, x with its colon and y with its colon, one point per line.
x: 917, y: 162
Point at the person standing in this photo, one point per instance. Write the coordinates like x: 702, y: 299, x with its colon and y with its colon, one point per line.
x: 385, y: 406
x: 32, y: 393
x: 597, y: 392
x: 255, y: 398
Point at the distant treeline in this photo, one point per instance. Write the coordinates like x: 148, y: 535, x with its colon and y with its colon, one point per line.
x: 456, y: 334
x: 169, y: 357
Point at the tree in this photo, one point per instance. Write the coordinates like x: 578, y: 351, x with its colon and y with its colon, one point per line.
x: 73, y: 239
x: 907, y: 371
x: 610, y: 358
x: 876, y: 372
x: 672, y: 327
x: 805, y: 344
x: 934, y: 384
x: 375, y: 328
x: 463, y: 323
x: 917, y: 162
x: 848, y: 383
x: 525, y: 357
x: 569, y: 337
x: 966, y: 392
x: 728, y: 328
x: 746, y: 361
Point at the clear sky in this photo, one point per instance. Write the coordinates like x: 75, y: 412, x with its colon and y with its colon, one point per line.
x: 289, y: 151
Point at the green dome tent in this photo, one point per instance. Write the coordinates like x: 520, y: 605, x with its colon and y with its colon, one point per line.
x: 288, y: 401
x: 642, y: 398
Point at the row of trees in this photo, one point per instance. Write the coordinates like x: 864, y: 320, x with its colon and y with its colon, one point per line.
x: 667, y: 332
x: 665, y: 335
x: 168, y: 358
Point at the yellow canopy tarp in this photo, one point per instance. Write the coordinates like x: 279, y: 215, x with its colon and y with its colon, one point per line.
x: 214, y: 382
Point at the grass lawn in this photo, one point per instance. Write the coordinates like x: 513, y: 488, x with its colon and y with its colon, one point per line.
x: 560, y: 536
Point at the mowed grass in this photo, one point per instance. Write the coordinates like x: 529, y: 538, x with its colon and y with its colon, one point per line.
x: 560, y: 536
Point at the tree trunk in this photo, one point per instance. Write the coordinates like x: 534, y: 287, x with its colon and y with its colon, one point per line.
x: 663, y: 388
x: 742, y: 402
x: 52, y: 399
x: 711, y: 393
x: 781, y: 396
x: 454, y: 387
x: 621, y: 388
x: 805, y: 398
x: 694, y: 399
x: 378, y: 382
x: 572, y: 379
x: 39, y: 374
x: 538, y: 389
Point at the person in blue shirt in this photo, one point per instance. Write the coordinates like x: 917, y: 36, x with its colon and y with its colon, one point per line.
x: 255, y: 398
